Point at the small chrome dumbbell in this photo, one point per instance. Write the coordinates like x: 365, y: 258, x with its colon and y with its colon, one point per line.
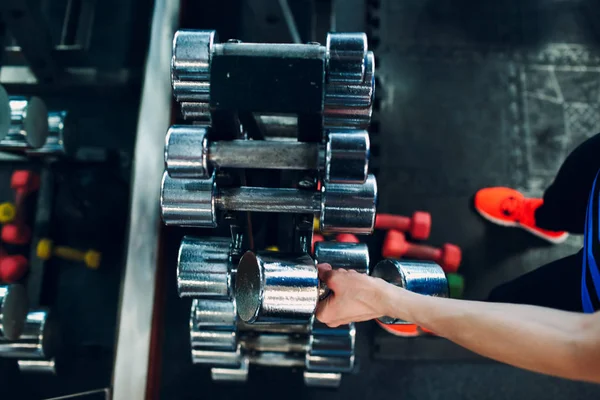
x: 343, y: 159
x: 421, y: 277
x: 29, y: 124
x: 342, y: 207
x: 337, y: 80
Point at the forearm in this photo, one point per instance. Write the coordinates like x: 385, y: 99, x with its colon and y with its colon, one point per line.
x: 543, y: 340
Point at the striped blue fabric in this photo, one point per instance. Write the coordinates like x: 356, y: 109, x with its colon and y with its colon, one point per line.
x: 591, y: 244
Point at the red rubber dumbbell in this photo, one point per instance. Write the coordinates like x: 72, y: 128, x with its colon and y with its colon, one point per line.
x: 13, y: 268
x: 24, y: 182
x: 418, y: 226
x: 17, y: 234
x: 346, y: 238
x: 317, y: 237
x: 448, y: 257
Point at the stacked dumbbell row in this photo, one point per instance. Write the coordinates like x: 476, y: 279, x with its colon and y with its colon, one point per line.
x: 218, y: 337
x: 26, y: 335
x: 27, y: 126
x: 337, y: 81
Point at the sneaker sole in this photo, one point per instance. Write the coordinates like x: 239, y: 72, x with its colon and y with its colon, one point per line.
x: 512, y: 224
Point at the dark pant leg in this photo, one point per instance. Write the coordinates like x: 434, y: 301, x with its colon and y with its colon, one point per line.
x: 565, y: 201
x: 556, y: 285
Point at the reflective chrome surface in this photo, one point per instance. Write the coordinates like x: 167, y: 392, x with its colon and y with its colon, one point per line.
x: 346, y: 53
x: 347, y: 157
x: 276, y: 200
x: 14, y: 305
x: 265, y: 154
x: 213, y: 339
x: 349, y: 208
x: 322, y: 379
x: 331, y: 349
x: 60, y: 136
x: 231, y: 374
x: 214, y: 314
x: 344, y: 255
x: 422, y: 277
x: 29, y: 123
x: 274, y: 288
x: 203, y: 267
x: 186, y: 152
x: 278, y: 343
x: 37, y: 366
x: 37, y: 340
x: 217, y: 357
x: 350, y: 86
x: 5, y: 113
x: 190, y: 71
x: 188, y: 202
x: 289, y: 360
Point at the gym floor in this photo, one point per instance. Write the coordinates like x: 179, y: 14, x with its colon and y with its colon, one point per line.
x: 470, y: 94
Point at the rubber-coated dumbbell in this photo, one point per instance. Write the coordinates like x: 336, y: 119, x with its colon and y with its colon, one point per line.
x: 418, y: 226
x: 347, y: 238
x: 8, y: 212
x: 344, y: 159
x: 46, y: 249
x: 13, y: 268
x: 16, y: 234
x: 28, y: 126
x: 395, y: 246
x: 24, y: 183
x: 347, y: 208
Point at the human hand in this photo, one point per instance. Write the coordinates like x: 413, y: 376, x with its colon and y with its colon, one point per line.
x: 354, y: 297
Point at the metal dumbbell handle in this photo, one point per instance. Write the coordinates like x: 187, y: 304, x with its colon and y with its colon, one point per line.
x: 266, y: 154
x: 341, y: 207
x: 343, y: 159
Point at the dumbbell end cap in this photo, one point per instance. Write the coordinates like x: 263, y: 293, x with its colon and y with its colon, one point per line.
x: 14, y: 305
x: 421, y: 225
x: 5, y: 113
x: 394, y: 245
x: 452, y: 257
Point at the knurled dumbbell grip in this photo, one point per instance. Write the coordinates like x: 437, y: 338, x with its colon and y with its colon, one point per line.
x: 279, y: 200
x: 267, y: 154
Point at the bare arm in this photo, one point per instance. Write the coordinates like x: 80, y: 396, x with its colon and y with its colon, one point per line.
x: 548, y: 341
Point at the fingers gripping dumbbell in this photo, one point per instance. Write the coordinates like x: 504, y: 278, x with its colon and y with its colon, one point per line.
x: 395, y: 246
x: 344, y: 159
x: 342, y: 207
x: 423, y: 277
x: 271, y: 287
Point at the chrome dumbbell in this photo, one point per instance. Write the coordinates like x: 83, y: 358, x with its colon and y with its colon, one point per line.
x: 277, y: 288
x: 60, y: 136
x: 28, y: 124
x: 344, y: 159
x: 13, y: 311
x: 208, y: 75
x: 342, y: 207
x: 37, y: 342
x: 421, y: 277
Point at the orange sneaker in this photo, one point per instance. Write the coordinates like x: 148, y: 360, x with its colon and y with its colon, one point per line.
x: 508, y: 207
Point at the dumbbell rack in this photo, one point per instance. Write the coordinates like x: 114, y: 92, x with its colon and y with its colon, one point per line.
x: 238, y: 100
